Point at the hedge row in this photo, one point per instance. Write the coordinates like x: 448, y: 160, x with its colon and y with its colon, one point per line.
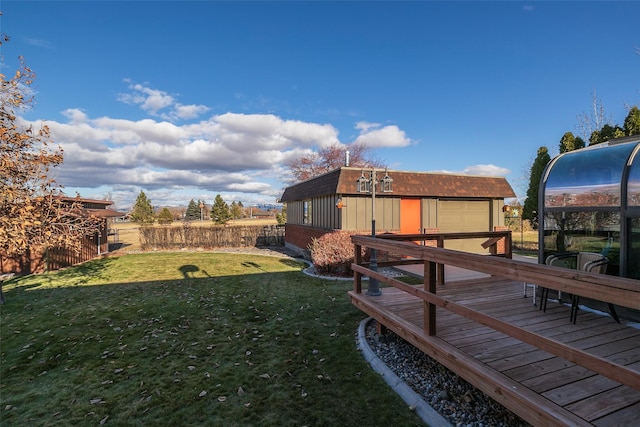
x: 188, y: 237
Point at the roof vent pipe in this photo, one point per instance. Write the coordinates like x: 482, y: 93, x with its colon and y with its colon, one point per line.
x: 346, y: 158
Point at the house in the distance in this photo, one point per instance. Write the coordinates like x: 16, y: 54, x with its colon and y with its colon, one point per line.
x: 405, y: 202
x: 92, y: 245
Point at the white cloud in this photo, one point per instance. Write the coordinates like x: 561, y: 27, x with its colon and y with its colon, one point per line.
x: 31, y: 41
x: 227, y: 153
x: 190, y: 111
x: 486, y: 170
x: 153, y: 101
x: 478, y: 170
x: 230, y: 153
x: 365, y: 126
x: 375, y: 136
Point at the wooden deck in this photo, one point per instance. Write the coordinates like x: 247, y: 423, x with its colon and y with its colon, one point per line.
x: 542, y: 387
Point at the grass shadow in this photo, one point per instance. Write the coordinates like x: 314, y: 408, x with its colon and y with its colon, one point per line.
x: 188, y: 271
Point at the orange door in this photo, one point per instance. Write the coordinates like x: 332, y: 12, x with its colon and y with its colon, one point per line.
x: 410, y: 216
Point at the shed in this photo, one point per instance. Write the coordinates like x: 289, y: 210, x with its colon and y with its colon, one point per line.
x: 417, y: 202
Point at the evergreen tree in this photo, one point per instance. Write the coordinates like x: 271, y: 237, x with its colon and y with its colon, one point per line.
x: 530, y: 209
x: 235, y: 210
x: 142, y: 212
x: 281, y: 217
x: 193, y: 211
x: 570, y: 143
x: 606, y: 133
x: 632, y: 122
x: 165, y: 216
x: 220, y: 211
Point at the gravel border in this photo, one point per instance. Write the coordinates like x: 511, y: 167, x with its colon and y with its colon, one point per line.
x: 444, y: 392
x: 416, y: 403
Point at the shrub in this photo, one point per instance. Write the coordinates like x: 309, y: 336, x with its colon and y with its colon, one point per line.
x: 332, y: 253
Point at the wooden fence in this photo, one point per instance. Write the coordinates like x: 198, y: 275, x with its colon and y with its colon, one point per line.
x: 38, y: 260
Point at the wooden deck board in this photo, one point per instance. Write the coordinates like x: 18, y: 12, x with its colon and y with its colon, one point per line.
x: 605, y: 403
x: 629, y: 416
x: 589, y: 397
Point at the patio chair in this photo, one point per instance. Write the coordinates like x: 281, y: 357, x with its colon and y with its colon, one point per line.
x: 584, y: 261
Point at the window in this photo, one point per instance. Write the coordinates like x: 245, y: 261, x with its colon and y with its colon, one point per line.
x: 583, y: 231
x: 306, y: 212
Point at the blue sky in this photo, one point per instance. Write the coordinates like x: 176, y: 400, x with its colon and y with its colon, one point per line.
x: 187, y: 100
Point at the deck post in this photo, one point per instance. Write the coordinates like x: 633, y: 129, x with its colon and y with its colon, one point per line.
x: 508, y: 245
x: 429, y: 309
x: 440, y: 244
x: 357, y: 277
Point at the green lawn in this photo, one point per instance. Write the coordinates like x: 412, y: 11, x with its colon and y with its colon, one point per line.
x: 171, y: 339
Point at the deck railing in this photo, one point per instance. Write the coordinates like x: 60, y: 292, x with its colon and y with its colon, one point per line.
x: 616, y: 290
x: 497, y: 243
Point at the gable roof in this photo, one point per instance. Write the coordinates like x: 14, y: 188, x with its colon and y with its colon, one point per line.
x: 94, y: 207
x: 410, y: 184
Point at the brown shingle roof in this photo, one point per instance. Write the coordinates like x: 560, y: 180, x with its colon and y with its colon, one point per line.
x: 410, y: 184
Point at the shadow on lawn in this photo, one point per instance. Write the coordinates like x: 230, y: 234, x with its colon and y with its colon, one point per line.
x: 189, y: 270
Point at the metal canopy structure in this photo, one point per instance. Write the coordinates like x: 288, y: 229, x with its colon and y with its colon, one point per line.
x: 589, y: 201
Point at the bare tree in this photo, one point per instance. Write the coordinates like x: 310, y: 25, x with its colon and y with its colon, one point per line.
x: 34, y: 213
x: 332, y: 157
x: 593, y: 121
